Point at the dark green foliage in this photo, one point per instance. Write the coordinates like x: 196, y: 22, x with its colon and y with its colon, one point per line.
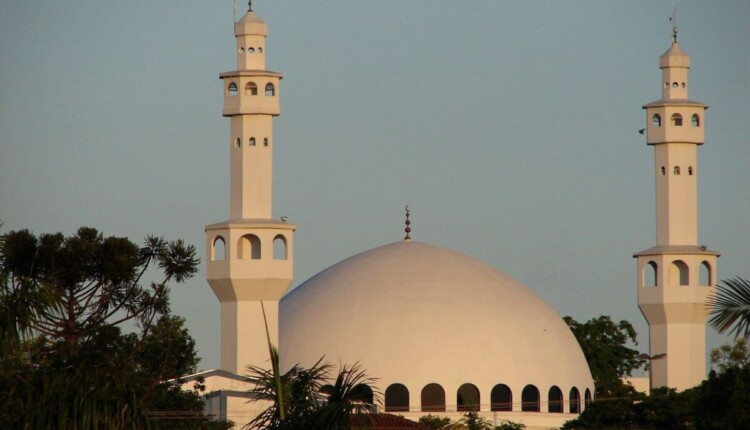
x: 724, y: 400
x: 435, y: 422
x: 604, y: 344
x: 730, y: 307
x: 473, y: 421
x: 64, y: 361
x: 300, y: 400
x: 510, y: 425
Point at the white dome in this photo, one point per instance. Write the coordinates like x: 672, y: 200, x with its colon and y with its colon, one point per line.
x: 416, y: 314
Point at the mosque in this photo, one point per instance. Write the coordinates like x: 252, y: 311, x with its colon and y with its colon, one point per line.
x: 442, y: 332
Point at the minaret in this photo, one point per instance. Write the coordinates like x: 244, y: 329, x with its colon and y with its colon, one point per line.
x: 676, y: 276
x: 250, y: 255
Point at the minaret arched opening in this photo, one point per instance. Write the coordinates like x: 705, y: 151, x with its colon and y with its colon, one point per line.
x: 467, y: 398
x: 695, y: 120
x: 279, y: 248
x: 251, y: 89
x: 270, y: 90
x: 650, y: 273
x: 679, y: 275
x: 232, y: 89
x: 677, y: 120
x: 249, y: 248
x: 705, y: 274
x: 656, y: 120
x: 218, y: 249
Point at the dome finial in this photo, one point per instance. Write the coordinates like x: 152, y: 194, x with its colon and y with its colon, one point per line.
x: 407, y: 229
x: 249, y: 5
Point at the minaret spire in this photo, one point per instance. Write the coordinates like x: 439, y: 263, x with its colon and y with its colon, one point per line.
x: 249, y: 5
x: 672, y: 20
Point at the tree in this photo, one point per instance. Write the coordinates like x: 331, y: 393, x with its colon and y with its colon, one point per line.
x: 64, y: 302
x: 301, y: 398
x: 435, y: 422
x: 730, y: 307
x: 604, y: 344
x: 473, y: 421
x: 723, y: 398
x: 731, y: 356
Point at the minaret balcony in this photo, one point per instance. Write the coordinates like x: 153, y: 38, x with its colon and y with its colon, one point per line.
x: 669, y: 122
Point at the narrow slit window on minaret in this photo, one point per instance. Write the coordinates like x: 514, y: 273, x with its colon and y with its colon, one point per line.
x: 656, y: 120
x: 242, y: 50
x: 696, y: 121
x: 237, y: 143
x: 663, y: 170
x: 260, y: 50
x: 677, y: 120
x: 690, y: 170
x: 265, y: 141
x: 269, y: 89
x: 676, y: 170
x: 251, y: 89
x: 251, y: 142
x: 232, y: 89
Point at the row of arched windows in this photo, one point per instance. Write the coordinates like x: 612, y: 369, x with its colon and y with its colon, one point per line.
x: 676, y: 119
x: 250, y: 142
x: 251, y: 89
x: 250, y: 50
x: 468, y: 398
x: 249, y: 248
x: 679, y: 274
x: 676, y: 170
x: 674, y: 85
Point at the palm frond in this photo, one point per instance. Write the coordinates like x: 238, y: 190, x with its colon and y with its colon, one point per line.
x: 730, y: 307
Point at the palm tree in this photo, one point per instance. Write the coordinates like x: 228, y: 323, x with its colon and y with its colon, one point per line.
x: 730, y: 307
x: 300, y: 399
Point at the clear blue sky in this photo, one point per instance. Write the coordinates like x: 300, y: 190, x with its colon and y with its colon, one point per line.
x: 510, y: 128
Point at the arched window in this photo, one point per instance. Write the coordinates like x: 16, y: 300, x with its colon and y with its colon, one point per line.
x: 251, y: 141
x: 251, y: 89
x: 690, y: 170
x: 696, y: 120
x: 677, y: 119
x: 279, y: 248
x: 705, y: 274
x: 676, y: 170
x: 362, y: 393
x: 396, y: 398
x: 555, y: 400
x: 218, y: 249
x: 587, y: 398
x: 650, y: 271
x: 674, y: 85
x: 678, y: 273
x: 656, y: 120
x: 265, y: 141
x: 237, y: 143
x: 663, y: 170
x: 433, y: 398
x: 232, y: 89
x: 575, y: 401
x: 467, y: 398
x: 501, y: 398
x: 249, y: 247
x: 530, y: 399
x: 242, y: 50
x: 260, y: 50
x: 270, y: 91
x: 251, y: 50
